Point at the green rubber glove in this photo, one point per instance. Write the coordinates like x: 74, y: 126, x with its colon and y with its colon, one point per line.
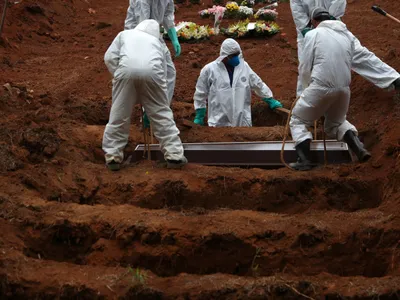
x: 273, y: 104
x: 146, y: 121
x: 200, y: 114
x: 174, y: 39
x: 305, y: 30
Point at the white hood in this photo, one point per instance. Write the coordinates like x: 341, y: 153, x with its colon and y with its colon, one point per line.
x: 334, y: 25
x: 149, y: 26
x: 228, y: 47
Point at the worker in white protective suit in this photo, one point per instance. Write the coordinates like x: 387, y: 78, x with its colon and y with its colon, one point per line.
x: 325, y: 73
x: 226, y: 84
x: 365, y: 63
x: 136, y: 59
x: 163, y: 12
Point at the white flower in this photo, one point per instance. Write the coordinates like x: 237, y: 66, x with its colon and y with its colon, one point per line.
x: 246, y: 10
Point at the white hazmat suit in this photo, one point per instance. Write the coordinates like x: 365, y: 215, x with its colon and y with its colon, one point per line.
x: 228, y: 105
x: 325, y: 72
x: 136, y: 59
x: 163, y: 12
x: 365, y: 63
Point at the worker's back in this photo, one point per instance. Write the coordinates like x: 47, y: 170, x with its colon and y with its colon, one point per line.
x: 333, y: 54
x: 141, y: 53
x: 160, y: 10
x: 336, y: 8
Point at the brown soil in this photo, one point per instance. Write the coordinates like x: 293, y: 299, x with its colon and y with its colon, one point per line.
x: 71, y: 229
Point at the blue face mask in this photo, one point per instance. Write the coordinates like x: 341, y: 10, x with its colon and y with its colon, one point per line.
x: 234, y: 61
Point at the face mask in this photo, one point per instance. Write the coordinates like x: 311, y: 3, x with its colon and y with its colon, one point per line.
x: 234, y: 61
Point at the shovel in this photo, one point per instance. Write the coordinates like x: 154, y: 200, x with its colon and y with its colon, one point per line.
x: 189, y: 124
x: 282, y: 110
x: 384, y: 13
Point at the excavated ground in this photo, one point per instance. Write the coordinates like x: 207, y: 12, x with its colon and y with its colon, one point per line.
x: 70, y: 229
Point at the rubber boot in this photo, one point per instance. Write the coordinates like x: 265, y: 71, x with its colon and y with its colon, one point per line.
x: 396, y: 84
x: 303, y: 157
x: 356, y: 146
x: 177, y: 164
x: 114, y: 166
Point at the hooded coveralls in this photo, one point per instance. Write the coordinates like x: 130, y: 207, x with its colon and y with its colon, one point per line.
x: 229, y: 105
x: 136, y: 59
x: 365, y: 63
x: 325, y: 72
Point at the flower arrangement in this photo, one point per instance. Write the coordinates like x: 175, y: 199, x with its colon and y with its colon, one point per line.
x: 205, y: 13
x: 190, y: 31
x: 232, y: 6
x: 248, y: 3
x: 261, y: 28
x: 264, y: 28
x: 217, y: 9
x: 244, y: 12
x: 237, y: 30
x: 266, y: 14
x: 234, y: 11
x: 218, y: 12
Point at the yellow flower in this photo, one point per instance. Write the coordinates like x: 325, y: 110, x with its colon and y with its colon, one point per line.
x: 232, y: 6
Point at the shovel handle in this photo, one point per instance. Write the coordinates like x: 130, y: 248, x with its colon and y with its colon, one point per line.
x: 379, y: 10
x: 189, y: 124
x: 393, y: 18
x: 284, y: 110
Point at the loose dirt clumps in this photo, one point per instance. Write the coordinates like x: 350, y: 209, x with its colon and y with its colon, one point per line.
x: 8, y: 161
x: 72, y: 230
x: 40, y: 142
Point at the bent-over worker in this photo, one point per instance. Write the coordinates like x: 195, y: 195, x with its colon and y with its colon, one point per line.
x: 136, y: 59
x: 325, y: 72
x: 364, y: 62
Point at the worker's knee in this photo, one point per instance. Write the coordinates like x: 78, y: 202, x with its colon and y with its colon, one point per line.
x: 295, y: 120
x: 343, y: 128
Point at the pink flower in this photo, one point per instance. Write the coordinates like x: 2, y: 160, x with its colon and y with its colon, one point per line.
x: 217, y: 9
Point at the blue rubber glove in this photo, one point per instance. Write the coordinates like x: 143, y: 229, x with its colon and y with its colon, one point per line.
x: 174, y: 39
x: 305, y: 30
x: 273, y: 104
x: 146, y: 121
x: 200, y: 114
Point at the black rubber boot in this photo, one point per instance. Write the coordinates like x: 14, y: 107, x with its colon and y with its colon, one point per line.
x: 177, y: 164
x: 114, y: 166
x: 356, y: 146
x: 303, y: 157
x: 396, y: 84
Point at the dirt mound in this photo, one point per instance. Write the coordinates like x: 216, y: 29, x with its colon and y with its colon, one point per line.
x: 199, y: 233
x: 8, y: 161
